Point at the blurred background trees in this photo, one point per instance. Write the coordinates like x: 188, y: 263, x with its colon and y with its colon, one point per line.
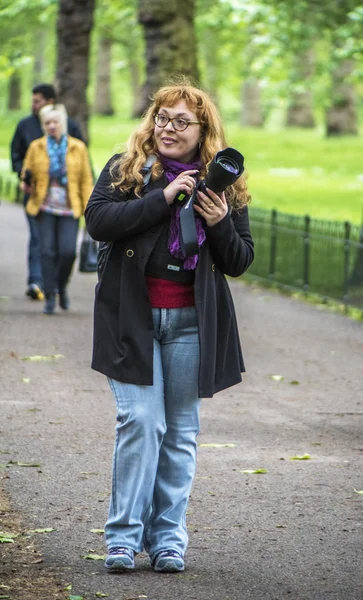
x: 298, y: 59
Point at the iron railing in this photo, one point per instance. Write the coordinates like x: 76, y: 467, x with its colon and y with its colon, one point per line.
x: 321, y: 257
x: 298, y: 252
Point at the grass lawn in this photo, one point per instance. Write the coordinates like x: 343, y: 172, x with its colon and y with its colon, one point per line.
x: 294, y: 171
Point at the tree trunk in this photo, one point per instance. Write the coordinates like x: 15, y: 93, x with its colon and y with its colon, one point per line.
x: 251, y: 115
x: 341, y: 116
x: 74, y: 24
x: 103, y: 102
x: 14, y: 92
x: 170, y: 42
x: 39, y: 57
x: 300, y: 111
x: 135, y: 88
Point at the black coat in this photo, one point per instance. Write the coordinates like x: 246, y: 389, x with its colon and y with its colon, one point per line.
x: 123, y: 327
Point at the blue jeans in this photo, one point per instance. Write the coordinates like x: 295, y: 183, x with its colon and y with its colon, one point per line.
x: 155, y: 451
x: 58, y: 245
x: 34, y: 266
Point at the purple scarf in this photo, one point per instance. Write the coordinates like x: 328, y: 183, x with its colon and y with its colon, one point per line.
x: 172, y: 169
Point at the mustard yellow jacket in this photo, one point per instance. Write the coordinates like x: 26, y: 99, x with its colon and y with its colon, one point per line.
x: 79, y: 174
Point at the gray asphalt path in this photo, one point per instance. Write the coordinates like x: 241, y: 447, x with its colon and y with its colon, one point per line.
x: 294, y: 532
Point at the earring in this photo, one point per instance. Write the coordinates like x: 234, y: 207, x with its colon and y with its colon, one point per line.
x: 199, y: 144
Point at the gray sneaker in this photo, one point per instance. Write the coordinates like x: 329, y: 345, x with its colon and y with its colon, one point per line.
x: 168, y: 561
x: 120, y: 558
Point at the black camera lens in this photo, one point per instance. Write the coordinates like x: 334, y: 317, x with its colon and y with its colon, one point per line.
x: 228, y: 164
x: 224, y: 169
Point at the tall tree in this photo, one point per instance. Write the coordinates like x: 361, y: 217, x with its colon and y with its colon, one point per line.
x: 170, y: 42
x: 74, y: 25
x: 116, y: 21
x: 103, y: 96
x: 300, y: 110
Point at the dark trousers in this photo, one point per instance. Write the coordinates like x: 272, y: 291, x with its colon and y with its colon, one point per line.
x: 58, y: 245
x: 34, y: 266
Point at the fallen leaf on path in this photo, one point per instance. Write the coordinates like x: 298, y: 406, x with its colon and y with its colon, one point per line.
x: 95, y: 556
x: 358, y: 491
x: 68, y: 588
x: 97, y: 530
x: 26, y: 380
x: 303, y: 457
x: 100, y: 595
x: 21, y: 464
x: 277, y: 377
x: 38, y: 357
x: 217, y: 445
x: 294, y: 382
x: 44, y: 530
x: 254, y: 471
x: 75, y: 598
x: 7, y: 538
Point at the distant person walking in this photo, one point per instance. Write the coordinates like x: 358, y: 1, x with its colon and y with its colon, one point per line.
x: 28, y: 130
x: 57, y: 180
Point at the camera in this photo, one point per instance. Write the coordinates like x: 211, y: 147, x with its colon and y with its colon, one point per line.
x: 225, y: 168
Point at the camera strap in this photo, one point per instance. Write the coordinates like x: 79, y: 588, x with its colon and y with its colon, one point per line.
x: 188, y: 237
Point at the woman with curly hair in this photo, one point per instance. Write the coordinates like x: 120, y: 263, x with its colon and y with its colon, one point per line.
x: 165, y: 330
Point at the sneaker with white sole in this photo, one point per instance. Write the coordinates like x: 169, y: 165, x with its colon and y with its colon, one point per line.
x: 119, y: 558
x: 168, y: 561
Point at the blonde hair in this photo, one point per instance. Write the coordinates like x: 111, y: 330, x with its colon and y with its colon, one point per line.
x: 125, y: 170
x: 50, y: 110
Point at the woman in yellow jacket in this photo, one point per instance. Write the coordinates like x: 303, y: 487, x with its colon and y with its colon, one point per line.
x: 57, y: 175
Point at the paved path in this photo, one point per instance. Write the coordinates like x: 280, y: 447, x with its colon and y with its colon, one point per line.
x: 294, y: 532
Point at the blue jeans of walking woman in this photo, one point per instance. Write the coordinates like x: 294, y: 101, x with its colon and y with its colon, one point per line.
x: 155, y: 451
x: 58, y: 245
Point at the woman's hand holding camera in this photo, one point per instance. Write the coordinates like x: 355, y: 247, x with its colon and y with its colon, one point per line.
x: 185, y: 182
x: 212, y: 208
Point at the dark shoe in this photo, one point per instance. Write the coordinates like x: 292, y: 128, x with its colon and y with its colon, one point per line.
x: 120, y: 558
x: 49, y: 306
x: 168, y: 561
x: 34, y: 292
x: 63, y: 299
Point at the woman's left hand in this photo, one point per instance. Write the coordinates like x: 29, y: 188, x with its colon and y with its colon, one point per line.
x: 213, y: 208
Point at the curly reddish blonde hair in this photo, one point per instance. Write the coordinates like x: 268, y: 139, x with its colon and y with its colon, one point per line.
x: 126, y: 169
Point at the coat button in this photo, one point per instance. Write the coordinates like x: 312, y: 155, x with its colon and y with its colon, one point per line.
x: 129, y: 253
x: 213, y: 267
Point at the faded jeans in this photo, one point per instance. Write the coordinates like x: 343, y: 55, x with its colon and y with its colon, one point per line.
x: 34, y: 266
x: 58, y: 245
x: 155, y: 450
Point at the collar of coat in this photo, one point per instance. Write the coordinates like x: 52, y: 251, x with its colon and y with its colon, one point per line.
x: 72, y: 142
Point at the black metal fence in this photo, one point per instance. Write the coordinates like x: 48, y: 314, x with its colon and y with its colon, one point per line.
x: 322, y: 257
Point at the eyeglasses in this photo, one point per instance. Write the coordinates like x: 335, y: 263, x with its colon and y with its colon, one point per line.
x: 178, y: 123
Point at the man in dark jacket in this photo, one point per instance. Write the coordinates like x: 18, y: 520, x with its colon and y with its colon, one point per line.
x: 28, y: 130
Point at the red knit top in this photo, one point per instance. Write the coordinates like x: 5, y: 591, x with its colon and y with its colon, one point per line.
x: 164, y: 293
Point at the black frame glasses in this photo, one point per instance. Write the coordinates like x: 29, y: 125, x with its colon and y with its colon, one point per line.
x: 178, y: 123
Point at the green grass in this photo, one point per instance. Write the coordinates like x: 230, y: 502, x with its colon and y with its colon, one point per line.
x: 294, y: 171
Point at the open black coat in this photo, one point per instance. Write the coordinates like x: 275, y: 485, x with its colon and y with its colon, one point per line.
x: 123, y: 327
